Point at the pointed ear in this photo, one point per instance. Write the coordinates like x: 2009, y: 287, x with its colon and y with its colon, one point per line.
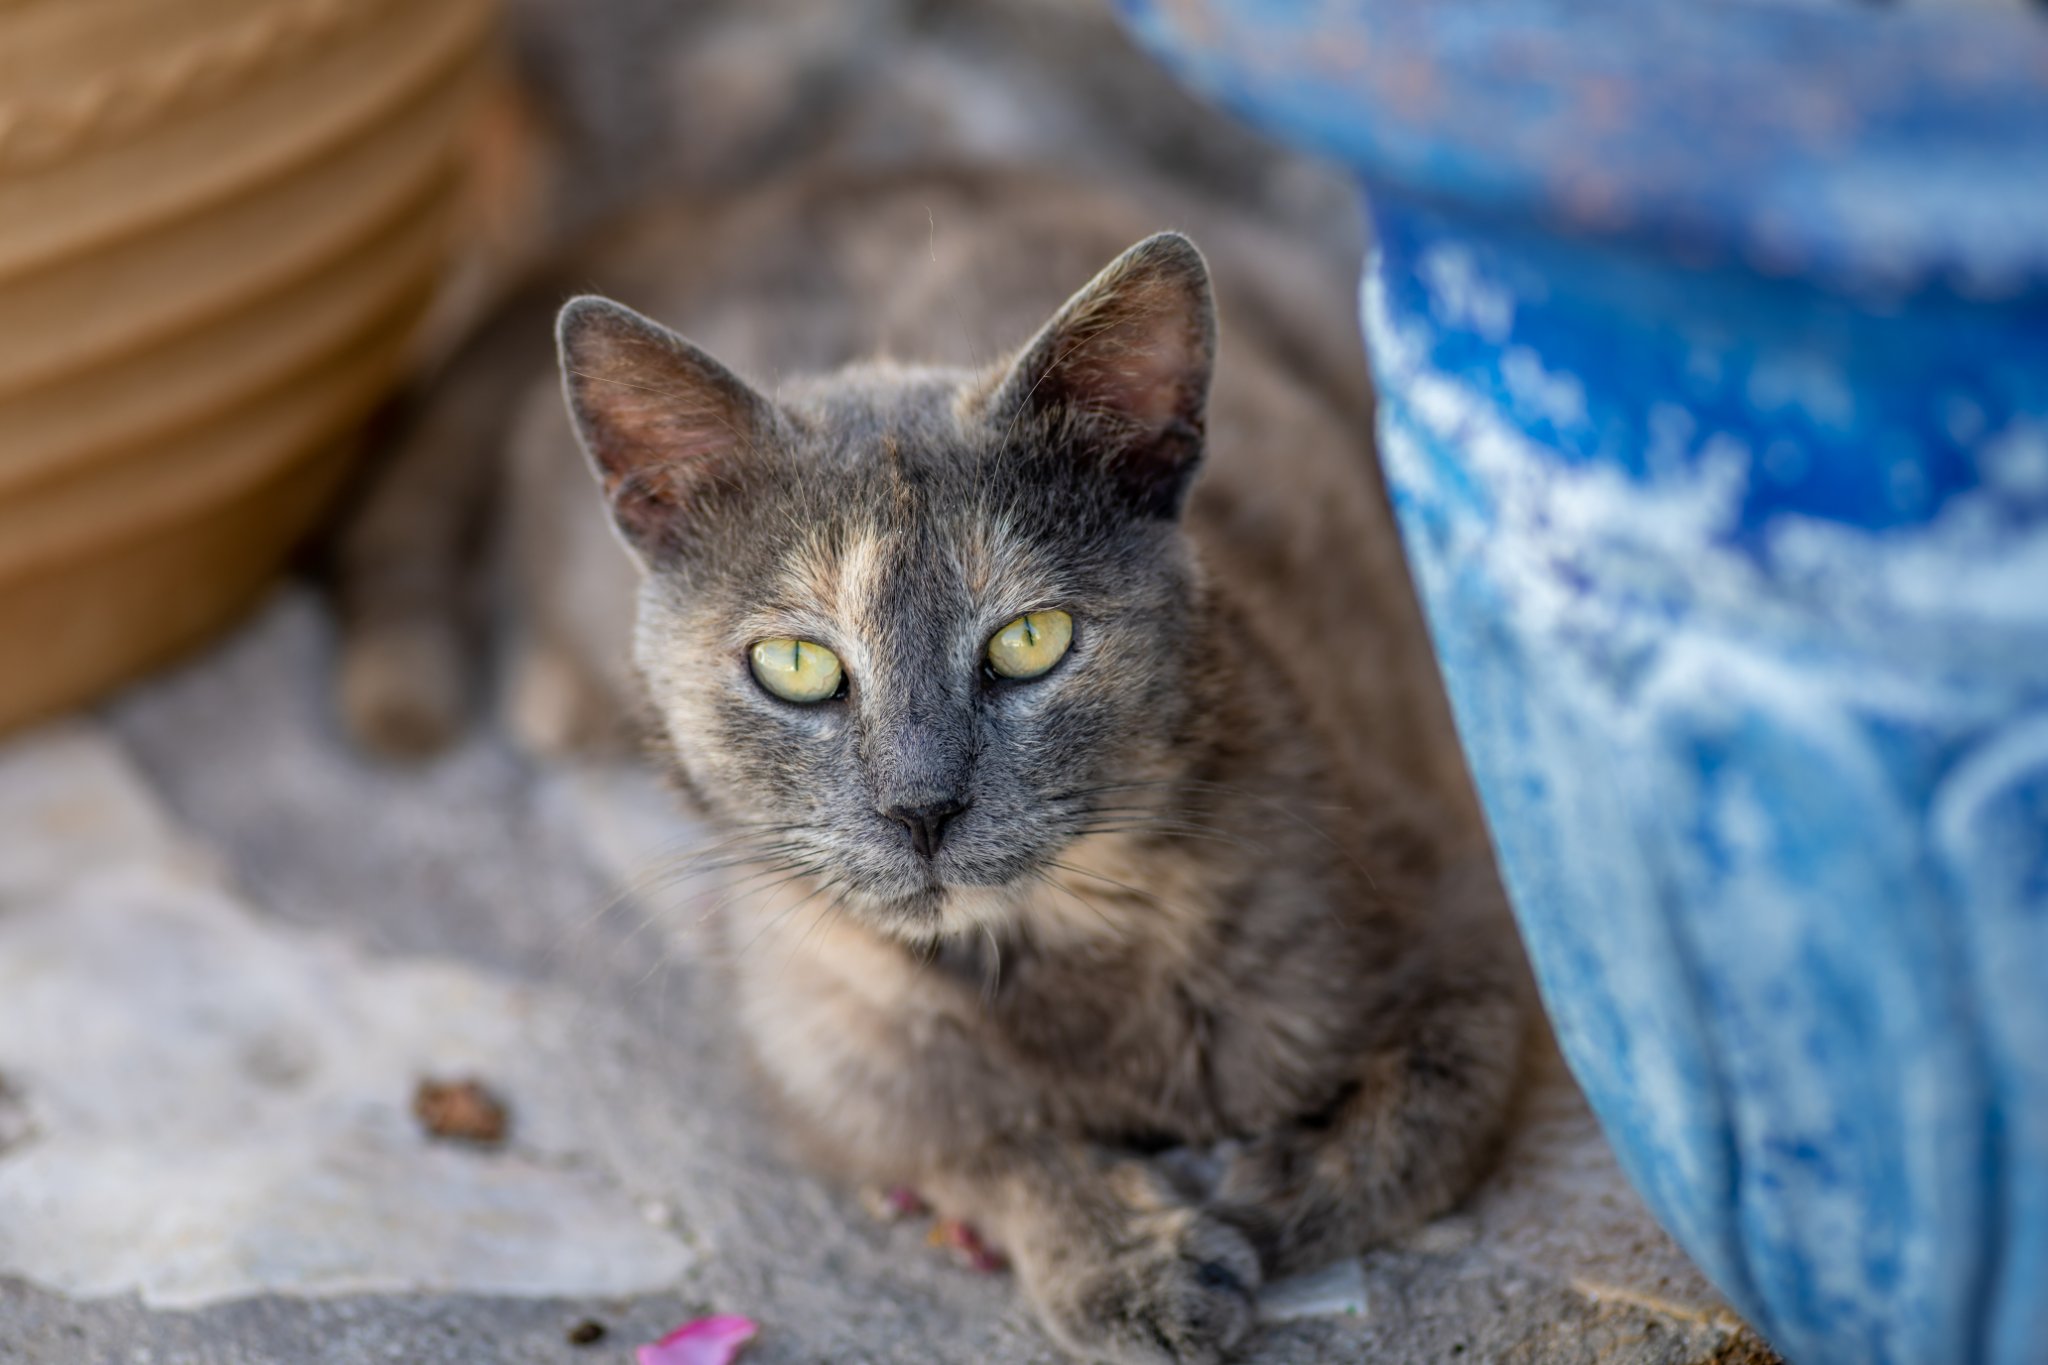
x: 657, y: 417
x: 1124, y: 367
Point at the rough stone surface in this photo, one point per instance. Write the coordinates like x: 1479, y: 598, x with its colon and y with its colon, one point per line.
x: 229, y: 949
x: 220, y: 1105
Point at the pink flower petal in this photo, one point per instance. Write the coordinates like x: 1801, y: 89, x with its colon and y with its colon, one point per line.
x: 966, y: 1245
x: 706, y: 1341
x: 894, y: 1204
x: 905, y: 1202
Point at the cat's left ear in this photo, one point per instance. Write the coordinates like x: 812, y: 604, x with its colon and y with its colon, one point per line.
x: 658, y: 417
x: 1124, y: 366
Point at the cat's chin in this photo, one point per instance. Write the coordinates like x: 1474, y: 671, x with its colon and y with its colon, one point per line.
x: 934, y: 914
x: 914, y: 917
x: 975, y: 909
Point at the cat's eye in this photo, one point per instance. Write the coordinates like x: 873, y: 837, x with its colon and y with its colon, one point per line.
x: 1031, y: 644
x: 797, y: 670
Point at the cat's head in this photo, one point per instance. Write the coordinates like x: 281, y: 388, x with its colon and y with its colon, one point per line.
x: 913, y: 632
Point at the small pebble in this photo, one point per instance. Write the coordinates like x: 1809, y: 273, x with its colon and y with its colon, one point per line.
x: 460, y: 1111
x: 586, y: 1333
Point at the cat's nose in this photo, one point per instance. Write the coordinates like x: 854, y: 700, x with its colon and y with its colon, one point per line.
x: 927, y: 824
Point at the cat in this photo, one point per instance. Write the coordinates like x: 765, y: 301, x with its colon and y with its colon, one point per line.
x: 1063, y: 714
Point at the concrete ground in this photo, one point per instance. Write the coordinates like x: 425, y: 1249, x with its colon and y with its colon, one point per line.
x: 230, y: 948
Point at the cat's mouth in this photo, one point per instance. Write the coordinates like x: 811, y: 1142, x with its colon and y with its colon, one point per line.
x: 917, y: 916
x: 940, y: 909
x: 971, y: 888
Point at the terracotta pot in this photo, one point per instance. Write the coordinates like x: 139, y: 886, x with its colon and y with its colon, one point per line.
x: 220, y: 222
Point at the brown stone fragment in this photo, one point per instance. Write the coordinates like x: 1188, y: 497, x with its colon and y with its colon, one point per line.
x: 460, y: 1111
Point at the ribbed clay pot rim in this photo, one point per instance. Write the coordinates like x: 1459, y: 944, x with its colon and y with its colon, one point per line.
x: 452, y: 32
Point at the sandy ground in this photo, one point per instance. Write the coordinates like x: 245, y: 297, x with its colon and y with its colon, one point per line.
x: 230, y: 948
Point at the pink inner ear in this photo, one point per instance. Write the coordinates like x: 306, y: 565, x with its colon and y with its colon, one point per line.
x: 648, y: 404
x: 670, y: 429
x: 645, y: 407
x: 1139, y: 349
x: 1139, y: 371
x: 657, y: 416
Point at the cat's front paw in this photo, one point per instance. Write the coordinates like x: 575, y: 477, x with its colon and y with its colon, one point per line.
x: 1178, y: 1290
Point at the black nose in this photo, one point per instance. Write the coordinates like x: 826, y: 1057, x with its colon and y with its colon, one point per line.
x: 927, y: 824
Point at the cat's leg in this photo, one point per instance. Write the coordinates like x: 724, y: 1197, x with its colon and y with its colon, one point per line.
x: 555, y: 706
x: 889, y: 1079
x: 403, y: 578
x: 1118, y: 1264
x: 568, y: 690
x: 1422, y: 1112
x: 407, y: 553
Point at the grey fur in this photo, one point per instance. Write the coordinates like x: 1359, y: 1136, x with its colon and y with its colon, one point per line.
x: 1215, y: 881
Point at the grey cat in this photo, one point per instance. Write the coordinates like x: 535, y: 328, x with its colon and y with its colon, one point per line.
x: 1064, y: 716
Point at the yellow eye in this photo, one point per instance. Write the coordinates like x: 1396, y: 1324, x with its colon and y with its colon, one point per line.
x: 796, y: 670
x: 1031, y: 644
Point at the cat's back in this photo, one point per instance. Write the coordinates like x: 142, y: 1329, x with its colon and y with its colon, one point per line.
x: 951, y: 264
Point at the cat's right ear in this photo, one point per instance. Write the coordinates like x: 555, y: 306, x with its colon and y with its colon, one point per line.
x: 657, y: 416
x: 1130, y: 357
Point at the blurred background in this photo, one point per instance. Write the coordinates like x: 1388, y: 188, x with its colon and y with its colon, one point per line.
x: 1760, y: 739
x: 228, y: 230
x: 233, y: 948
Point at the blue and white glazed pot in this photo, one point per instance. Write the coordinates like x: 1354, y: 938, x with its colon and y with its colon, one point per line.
x: 1712, y: 346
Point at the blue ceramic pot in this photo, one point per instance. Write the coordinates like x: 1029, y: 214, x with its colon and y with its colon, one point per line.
x: 1712, y: 343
